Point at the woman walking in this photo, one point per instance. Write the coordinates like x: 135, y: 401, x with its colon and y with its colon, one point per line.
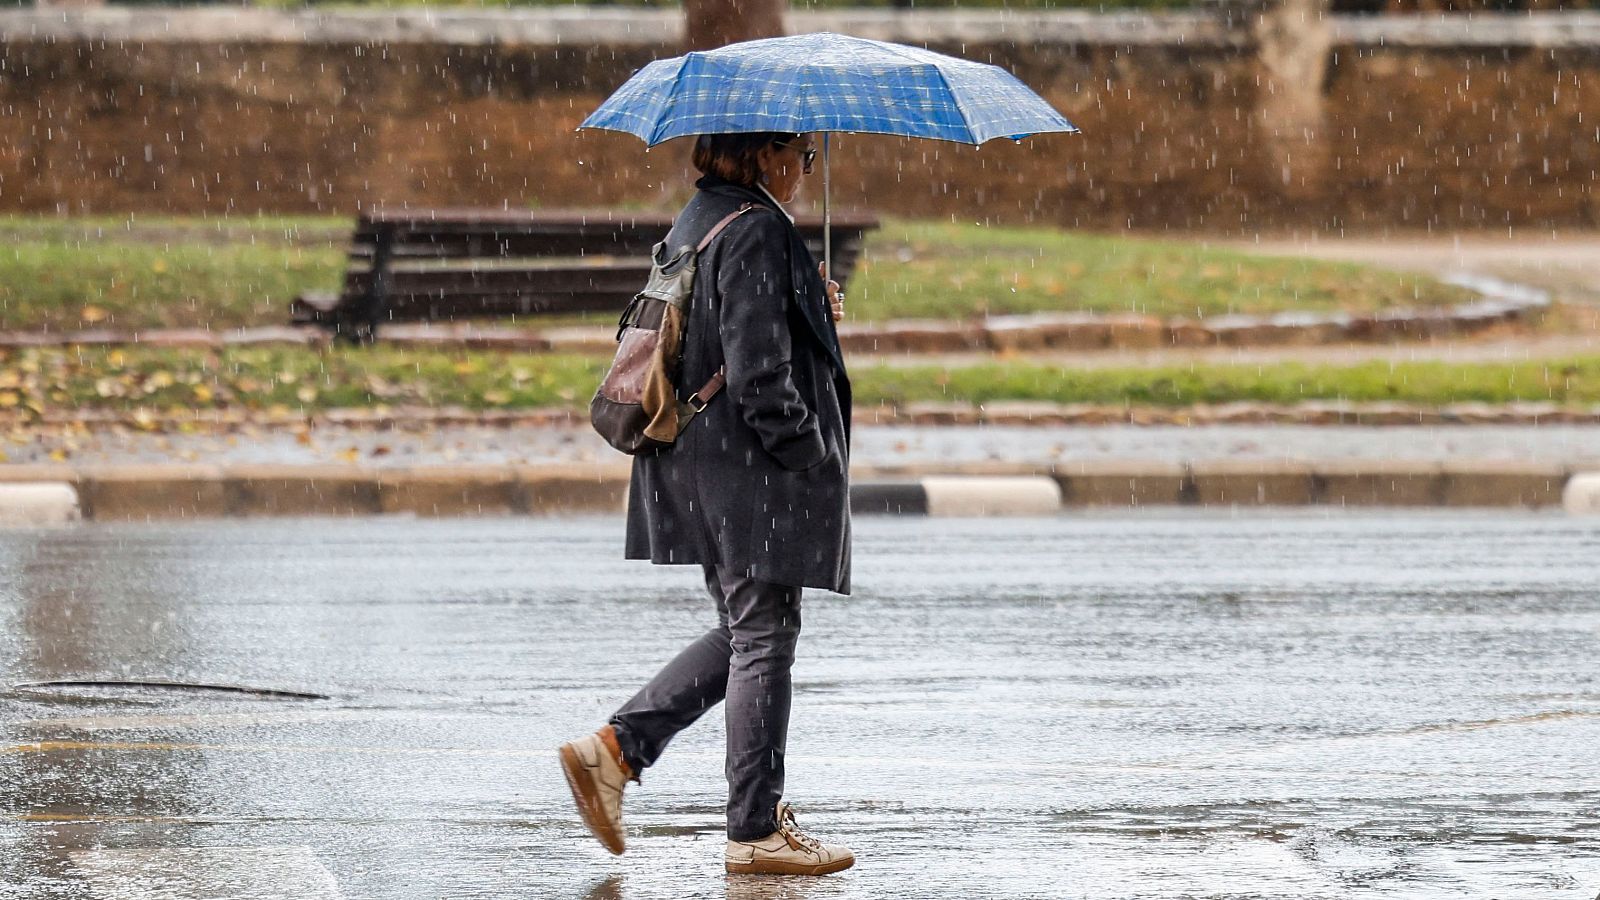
x: 755, y: 491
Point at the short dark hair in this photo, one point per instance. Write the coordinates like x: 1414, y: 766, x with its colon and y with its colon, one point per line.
x: 732, y: 157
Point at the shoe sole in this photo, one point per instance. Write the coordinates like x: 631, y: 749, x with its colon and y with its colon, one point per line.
x: 778, y: 867
x: 588, y: 800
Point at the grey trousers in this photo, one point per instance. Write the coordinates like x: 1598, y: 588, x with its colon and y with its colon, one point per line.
x: 744, y: 661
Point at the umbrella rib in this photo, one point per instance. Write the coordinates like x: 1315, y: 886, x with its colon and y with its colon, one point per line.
x: 960, y: 109
x: 673, y: 96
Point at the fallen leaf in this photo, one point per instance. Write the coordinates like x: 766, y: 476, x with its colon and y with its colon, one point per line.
x: 307, y: 394
x: 378, y: 387
x: 203, y: 394
x: 351, y: 455
x: 93, y: 314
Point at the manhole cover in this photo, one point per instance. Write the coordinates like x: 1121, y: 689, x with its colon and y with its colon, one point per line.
x: 134, y: 691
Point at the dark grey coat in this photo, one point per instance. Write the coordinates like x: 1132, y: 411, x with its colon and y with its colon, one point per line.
x: 758, y: 482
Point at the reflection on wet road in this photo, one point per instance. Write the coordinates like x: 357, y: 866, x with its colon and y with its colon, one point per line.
x: 1304, y: 705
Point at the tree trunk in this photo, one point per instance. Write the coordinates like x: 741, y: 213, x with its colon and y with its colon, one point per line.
x: 1292, y: 39
x: 715, y: 23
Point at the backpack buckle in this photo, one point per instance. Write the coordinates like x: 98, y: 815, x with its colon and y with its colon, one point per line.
x: 695, y: 403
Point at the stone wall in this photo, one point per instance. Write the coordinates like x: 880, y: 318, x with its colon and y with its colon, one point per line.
x: 1468, y: 123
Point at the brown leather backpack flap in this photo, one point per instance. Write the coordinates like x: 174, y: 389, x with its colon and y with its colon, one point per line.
x: 659, y: 396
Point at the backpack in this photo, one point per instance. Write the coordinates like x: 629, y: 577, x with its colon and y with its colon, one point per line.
x: 636, y: 407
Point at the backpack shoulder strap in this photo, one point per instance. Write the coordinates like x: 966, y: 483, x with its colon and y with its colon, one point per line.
x: 717, y: 228
x: 698, y: 400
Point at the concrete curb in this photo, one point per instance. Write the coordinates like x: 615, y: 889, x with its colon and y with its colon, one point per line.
x: 166, y: 492
x: 992, y: 495
x: 53, y: 494
x: 38, y: 504
x: 1502, y: 304
x: 1582, y: 494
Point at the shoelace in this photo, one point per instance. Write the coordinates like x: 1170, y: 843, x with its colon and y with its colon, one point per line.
x: 792, y: 828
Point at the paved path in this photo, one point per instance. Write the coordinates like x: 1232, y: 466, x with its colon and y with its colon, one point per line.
x: 1496, y: 349
x: 873, y: 446
x: 1567, y: 264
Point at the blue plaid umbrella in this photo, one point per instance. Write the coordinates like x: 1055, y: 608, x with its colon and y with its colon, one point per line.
x: 826, y: 82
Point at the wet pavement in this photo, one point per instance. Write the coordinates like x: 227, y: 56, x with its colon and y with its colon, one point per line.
x: 1172, y: 704
x: 1577, y: 445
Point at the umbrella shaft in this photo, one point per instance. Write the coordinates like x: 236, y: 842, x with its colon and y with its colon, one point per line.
x: 827, y: 215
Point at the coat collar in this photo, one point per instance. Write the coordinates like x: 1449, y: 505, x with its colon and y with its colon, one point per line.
x: 721, y: 187
x: 775, y: 202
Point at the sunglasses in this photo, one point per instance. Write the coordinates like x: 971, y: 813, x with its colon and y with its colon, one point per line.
x: 808, y: 156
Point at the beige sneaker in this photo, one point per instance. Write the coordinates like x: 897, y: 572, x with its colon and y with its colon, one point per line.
x: 786, y: 852
x: 597, y: 774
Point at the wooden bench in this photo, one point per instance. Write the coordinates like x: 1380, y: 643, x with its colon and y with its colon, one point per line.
x: 440, y: 264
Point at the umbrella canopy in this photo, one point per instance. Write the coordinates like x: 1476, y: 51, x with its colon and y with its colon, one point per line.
x: 826, y: 82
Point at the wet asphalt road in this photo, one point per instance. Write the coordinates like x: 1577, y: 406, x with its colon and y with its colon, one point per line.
x: 1285, y: 705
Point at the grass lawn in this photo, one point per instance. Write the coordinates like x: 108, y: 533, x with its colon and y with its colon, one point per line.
x: 63, y: 274
x: 933, y: 270
x: 175, y: 380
